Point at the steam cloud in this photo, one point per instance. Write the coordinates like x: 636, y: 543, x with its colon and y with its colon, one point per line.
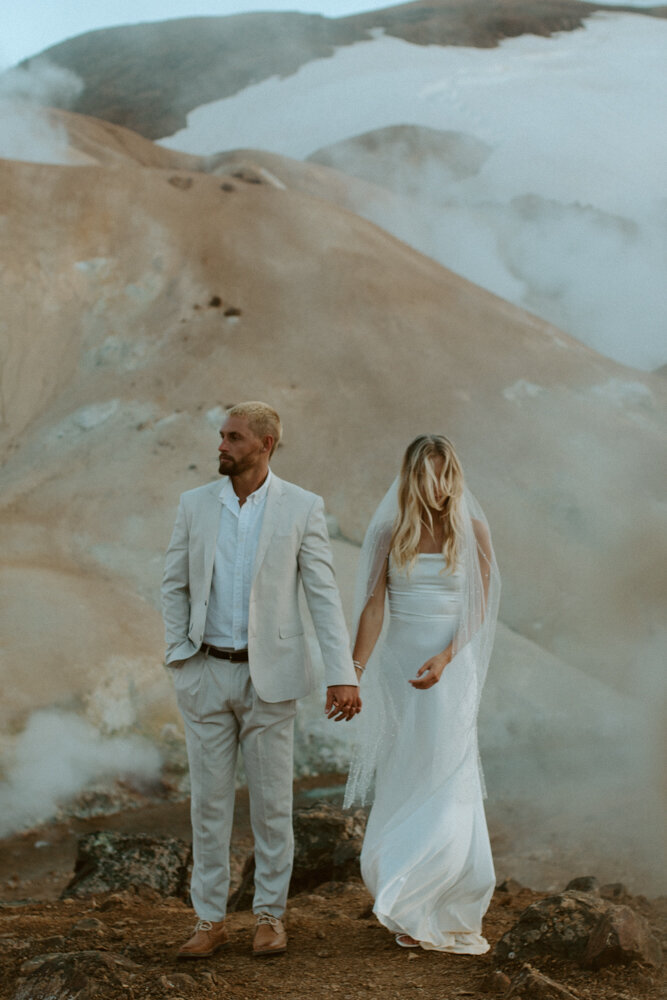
x: 26, y: 130
x: 579, y: 267
x: 56, y: 757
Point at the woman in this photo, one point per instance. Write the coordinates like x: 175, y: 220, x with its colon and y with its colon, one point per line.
x: 426, y: 856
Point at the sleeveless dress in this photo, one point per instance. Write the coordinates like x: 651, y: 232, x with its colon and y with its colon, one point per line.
x: 426, y: 857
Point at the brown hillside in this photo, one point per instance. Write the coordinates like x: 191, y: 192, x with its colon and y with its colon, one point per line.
x: 152, y: 298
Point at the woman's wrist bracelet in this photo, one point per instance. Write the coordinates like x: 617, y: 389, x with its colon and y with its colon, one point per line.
x: 358, y: 666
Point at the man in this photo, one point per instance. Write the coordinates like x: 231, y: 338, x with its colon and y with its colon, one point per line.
x: 236, y: 646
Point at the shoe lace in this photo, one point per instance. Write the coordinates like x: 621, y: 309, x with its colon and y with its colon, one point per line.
x: 267, y: 918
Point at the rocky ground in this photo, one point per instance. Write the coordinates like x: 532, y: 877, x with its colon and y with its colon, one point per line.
x: 125, y: 943
x: 122, y: 942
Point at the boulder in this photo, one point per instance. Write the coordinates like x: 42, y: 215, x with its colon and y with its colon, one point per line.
x: 327, y: 845
x: 558, y: 925
x: 82, y: 975
x: 620, y: 937
x: 582, y: 927
x: 531, y: 984
x: 108, y: 862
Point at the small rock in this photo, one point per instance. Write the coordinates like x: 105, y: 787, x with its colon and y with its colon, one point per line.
x: 412, y: 956
x: 585, y: 883
x: 532, y: 985
x: 9, y: 943
x: 115, y: 899
x: 614, y: 890
x: 497, y: 982
x: 182, y: 980
x: 510, y: 886
x: 177, y: 981
x: 645, y: 980
x: 56, y: 942
x: 620, y: 937
x: 183, y: 183
x: 88, y: 924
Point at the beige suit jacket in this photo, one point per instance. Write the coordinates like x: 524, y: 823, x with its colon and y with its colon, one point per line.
x: 293, y: 548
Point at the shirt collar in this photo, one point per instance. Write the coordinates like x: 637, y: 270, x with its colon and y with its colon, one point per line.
x: 230, y: 499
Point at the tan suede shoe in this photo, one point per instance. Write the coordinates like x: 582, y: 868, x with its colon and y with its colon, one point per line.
x: 207, y: 938
x: 270, y: 936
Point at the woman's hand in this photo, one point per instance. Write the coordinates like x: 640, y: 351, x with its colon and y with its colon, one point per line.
x: 431, y: 672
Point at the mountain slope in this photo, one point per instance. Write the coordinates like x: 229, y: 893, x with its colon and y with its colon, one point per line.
x: 149, y: 76
x: 157, y: 302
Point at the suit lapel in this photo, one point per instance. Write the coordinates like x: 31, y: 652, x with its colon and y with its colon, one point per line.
x: 274, y: 498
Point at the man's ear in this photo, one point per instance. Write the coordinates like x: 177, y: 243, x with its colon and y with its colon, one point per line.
x: 267, y: 443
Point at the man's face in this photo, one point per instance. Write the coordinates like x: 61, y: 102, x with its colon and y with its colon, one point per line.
x: 240, y: 449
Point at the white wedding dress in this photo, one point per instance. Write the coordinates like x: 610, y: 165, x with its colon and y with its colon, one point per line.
x: 426, y: 856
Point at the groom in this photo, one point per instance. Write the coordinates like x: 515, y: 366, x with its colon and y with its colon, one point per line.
x: 236, y: 646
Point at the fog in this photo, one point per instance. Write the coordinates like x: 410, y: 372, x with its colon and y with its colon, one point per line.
x: 595, y: 274
x: 561, y: 209
x: 59, y: 754
x: 27, y: 131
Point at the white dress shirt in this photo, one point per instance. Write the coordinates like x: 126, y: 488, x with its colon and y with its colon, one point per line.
x: 238, y: 535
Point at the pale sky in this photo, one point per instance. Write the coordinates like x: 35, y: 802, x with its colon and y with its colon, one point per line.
x: 34, y: 25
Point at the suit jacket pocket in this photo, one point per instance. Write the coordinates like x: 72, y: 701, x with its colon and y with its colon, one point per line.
x: 290, y: 629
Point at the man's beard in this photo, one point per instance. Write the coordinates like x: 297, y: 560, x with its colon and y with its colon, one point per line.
x: 226, y: 466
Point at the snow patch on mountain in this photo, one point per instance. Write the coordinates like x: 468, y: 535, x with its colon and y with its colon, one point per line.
x: 565, y: 216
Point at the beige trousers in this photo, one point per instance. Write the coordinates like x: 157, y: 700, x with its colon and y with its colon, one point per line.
x: 223, y: 712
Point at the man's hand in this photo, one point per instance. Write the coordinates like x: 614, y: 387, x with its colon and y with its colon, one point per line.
x: 343, y: 702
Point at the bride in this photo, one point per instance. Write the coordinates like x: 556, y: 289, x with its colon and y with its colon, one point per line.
x: 426, y: 857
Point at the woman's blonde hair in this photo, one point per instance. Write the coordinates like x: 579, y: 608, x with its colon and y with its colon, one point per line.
x: 423, y: 495
x: 262, y: 420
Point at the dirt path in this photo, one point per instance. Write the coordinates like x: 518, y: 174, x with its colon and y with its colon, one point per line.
x: 336, y: 948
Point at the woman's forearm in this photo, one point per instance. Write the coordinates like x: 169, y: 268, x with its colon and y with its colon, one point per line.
x: 370, y: 626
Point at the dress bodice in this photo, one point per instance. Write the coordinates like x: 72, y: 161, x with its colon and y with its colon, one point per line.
x: 428, y: 590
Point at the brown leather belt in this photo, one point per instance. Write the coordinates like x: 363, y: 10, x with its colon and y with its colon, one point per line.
x: 233, y: 655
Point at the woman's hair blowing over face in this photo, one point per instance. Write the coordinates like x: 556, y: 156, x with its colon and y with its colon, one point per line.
x: 430, y: 488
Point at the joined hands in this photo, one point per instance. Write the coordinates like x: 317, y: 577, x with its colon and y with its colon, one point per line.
x: 343, y: 702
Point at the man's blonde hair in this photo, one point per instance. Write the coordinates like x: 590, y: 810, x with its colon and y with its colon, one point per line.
x: 262, y: 420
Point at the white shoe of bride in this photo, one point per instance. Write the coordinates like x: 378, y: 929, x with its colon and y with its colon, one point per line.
x: 405, y: 941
